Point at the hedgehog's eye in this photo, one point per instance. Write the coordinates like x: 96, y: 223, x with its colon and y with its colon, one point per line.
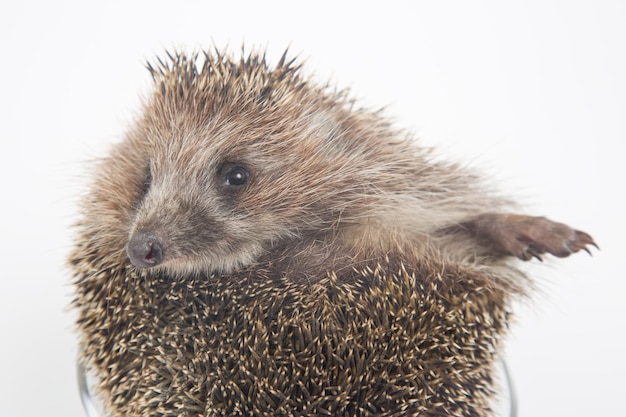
x: 236, y: 176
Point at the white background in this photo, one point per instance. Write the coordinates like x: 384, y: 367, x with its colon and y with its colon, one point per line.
x: 533, y: 91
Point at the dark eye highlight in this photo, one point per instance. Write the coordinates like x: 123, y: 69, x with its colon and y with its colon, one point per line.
x: 236, y: 176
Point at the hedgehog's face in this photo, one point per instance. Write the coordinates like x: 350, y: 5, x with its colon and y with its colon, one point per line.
x: 215, y: 198
x: 192, y: 224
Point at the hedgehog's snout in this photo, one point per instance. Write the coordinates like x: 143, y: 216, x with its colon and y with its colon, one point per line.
x: 145, y: 250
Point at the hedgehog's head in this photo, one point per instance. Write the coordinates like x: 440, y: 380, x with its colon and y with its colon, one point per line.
x: 231, y: 159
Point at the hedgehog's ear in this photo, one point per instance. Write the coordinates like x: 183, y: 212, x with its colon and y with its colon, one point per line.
x: 322, y: 124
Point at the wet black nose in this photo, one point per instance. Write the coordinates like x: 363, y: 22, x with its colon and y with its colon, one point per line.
x: 145, y: 250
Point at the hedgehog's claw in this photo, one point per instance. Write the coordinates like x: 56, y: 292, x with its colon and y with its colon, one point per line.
x: 532, y: 253
x: 581, y: 241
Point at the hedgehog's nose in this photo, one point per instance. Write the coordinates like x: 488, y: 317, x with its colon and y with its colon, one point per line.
x: 145, y: 250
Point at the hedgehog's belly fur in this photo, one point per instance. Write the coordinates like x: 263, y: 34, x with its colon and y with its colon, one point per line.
x: 385, y: 342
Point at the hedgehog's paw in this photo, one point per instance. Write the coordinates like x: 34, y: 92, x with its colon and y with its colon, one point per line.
x: 526, y: 237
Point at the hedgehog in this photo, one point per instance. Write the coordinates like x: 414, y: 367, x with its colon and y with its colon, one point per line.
x: 258, y: 245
